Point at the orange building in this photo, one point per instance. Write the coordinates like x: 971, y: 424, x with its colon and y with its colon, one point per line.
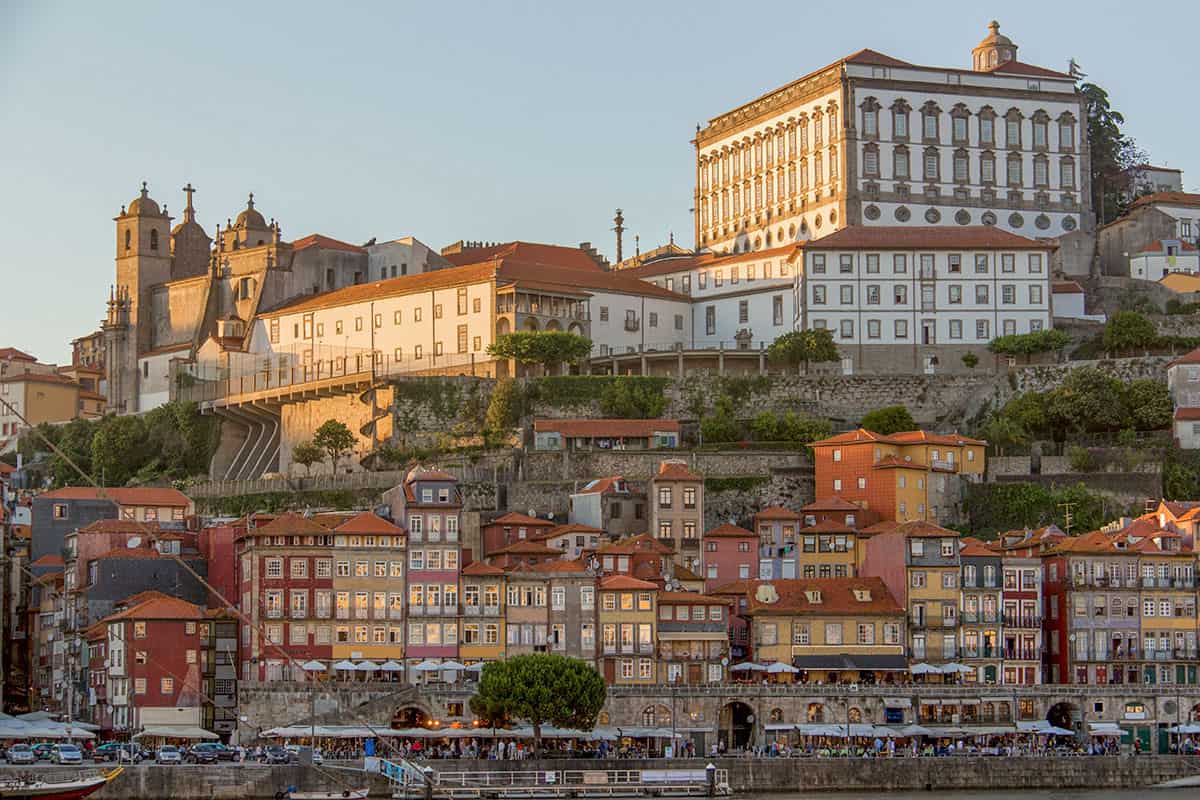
x: 901, y: 476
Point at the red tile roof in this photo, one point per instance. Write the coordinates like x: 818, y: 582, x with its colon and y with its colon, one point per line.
x: 39, y: 377
x: 529, y: 252
x: 928, y: 237
x: 13, y: 354
x: 730, y: 531
x: 325, y: 243
x: 368, y: 523
x: 837, y: 597
x: 130, y: 552
x: 561, y: 530
x: 49, y: 560
x: 625, y: 582
x: 479, y: 569
x: 606, y: 428
x: 828, y: 526
x: 525, y: 548
x: 121, y: 526
x: 913, y: 437
x: 1191, y: 357
x: 874, y: 58
x: 642, y: 543
x: 1159, y: 247
x: 975, y: 549
x: 896, y: 462
x: 601, y: 485
x: 154, y: 605
x: 292, y: 523
x: 682, y: 573
x: 776, y: 512
x: 684, y: 263
x: 1021, y: 68
x: 1066, y: 287
x: 556, y: 565
x: 122, y: 495
x: 513, y: 518
x: 1187, y: 414
x: 689, y: 599
x: 6, y: 469
x: 430, y: 475
x: 675, y: 471
x: 836, y: 504
x: 921, y: 528
x: 1168, y: 199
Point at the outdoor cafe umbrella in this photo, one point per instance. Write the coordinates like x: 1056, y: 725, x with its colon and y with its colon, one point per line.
x: 428, y: 665
x: 780, y: 667
x: 345, y: 665
x: 1189, y: 728
x: 915, y: 730
x: 366, y: 666
x: 924, y: 669
x: 391, y: 666
x: 747, y: 666
x: 453, y: 666
x: 949, y: 669
x: 313, y: 666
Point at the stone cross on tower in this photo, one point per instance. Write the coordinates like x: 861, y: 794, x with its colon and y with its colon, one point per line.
x: 189, y: 191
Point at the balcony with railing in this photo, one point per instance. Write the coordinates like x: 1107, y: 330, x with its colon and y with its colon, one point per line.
x: 1031, y: 621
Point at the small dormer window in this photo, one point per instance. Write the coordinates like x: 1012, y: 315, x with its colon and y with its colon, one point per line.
x: 813, y: 595
x: 862, y: 595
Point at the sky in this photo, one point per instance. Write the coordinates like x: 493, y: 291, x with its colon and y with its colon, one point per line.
x: 456, y: 120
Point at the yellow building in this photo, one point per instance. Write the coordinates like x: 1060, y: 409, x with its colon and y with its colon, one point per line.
x: 483, y: 630
x: 1168, y: 608
x: 35, y: 397
x: 827, y: 550
x: 627, y: 619
x: 834, y: 629
x: 368, y: 588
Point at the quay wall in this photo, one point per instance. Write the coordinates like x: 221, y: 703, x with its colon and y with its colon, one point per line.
x: 748, y: 777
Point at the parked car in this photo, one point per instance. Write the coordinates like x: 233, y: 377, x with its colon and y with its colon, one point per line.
x: 20, y: 754
x: 168, y: 754
x: 278, y: 755
x: 299, y: 754
x: 67, y: 754
x: 222, y: 752
x: 199, y: 754
x: 117, y: 751
x: 43, y: 751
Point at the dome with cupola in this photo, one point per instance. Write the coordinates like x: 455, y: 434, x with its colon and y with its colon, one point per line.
x: 250, y: 218
x: 994, y: 50
x: 143, y: 205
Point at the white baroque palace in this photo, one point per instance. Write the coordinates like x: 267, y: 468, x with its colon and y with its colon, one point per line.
x: 873, y: 140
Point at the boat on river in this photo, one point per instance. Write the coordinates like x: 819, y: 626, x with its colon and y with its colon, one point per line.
x: 345, y: 794
x: 30, y: 787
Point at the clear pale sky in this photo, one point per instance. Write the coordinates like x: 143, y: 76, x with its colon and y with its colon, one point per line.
x: 447, y: 121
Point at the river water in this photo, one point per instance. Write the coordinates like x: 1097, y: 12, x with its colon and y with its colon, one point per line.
x: 1000, y: 794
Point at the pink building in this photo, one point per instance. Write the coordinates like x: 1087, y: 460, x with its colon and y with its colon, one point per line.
x: 730, y: 554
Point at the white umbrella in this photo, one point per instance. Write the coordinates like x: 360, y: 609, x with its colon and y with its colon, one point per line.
x: 313, y: 666
x: 428, y: 665
x: 366, y: 666
x: 924, y: 669
x: 952, y: 668
x: 745, y: 666
x: 453, y: 665
x: 346, y: 665
x: 915, y: 730
x: 391, y: 666
x: 475, y: 667
x: 779, y: 667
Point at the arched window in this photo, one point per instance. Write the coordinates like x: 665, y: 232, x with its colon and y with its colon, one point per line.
x: 854, y: 715
x: 153, y: 240
x: 128, y: 239
x: 816, y: 712
x: 776, y: 715
x: 648, y: 716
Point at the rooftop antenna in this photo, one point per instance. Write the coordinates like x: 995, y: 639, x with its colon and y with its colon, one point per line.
x: 1066, y: 507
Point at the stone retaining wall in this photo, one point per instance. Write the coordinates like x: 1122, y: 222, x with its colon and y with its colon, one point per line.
x: 747, y: 777
x: 643, y: 464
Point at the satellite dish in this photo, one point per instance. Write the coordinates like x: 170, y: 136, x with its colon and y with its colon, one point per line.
x: 134, y: 541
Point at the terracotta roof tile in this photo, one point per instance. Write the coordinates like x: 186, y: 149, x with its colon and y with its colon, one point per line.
x: 922, y: 528
x: 1066, y: 287
x: 835, y: 504
x: 513, y: 518
x: 13, y: 354
x: 1168, y: 199
x: 557, y: 565
x: 123, y: 495
x: 874, y: 58
x: 1021, y: 68
x: 602, y: 485
x: 325, y: 243
x: 689, y: 599
x: 675, y: 471
x: 605, y: 428
x: 776, y: 512
x: 292, y: 523
x: 107, y: 526
x: 39, y: 377
x: 642, y: 543
x: 1187, y: 414
x: 837, y: 597
x: 525, y: 548
x: 928, y: 237
x: 828, y: 526
x: 49, y: 560
x: 730, y: 531
x: 368, y: 523
x: 682, y: 573
x: 481, y: 569
x: 154, y: 605
x: 896, y: 462
x: 925, y: 437
x: 849, y: 437
x: 1191, y: 357
x: 531, y: 252
x: 684, y: 263
x: 625, y: 582
x: 1159, y: 246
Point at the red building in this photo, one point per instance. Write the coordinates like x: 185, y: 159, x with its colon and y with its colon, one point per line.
x: 523, y: 554
x: 643, y: 557
x: 146, y: 665
x: 730, y: 554
x: 510, y: 529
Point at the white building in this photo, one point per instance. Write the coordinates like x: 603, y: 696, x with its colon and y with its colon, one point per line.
x: 873, y: 140
x: 1067, y: 299
x: 1149, y: 178
x: 1156, y: 236
x: 920, y: 299
x: 400, y: 257
x: 748, y: 294
x: 1161, y: 257
x: 444, y: 320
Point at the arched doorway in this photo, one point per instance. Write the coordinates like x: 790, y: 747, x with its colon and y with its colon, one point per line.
x: 530, y: 324
x: 1063, y: 715
x: 1196, y: 713
x: 737, y: 725
x: 502, y: 326
x: 409, y: 717
x: 575, y: 328
x: 656, y: 717
x: 553, y: 325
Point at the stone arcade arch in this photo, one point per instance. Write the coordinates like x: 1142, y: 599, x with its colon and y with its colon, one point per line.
x: 736, y: 725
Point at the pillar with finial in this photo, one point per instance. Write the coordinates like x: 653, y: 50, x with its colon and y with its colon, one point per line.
x: 637, y: 246
x: 619, y: 227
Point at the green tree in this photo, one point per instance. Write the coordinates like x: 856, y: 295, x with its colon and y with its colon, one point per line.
x: 800, y: 348
x: 75, y: 444
x: 1004, y: 432
x: 541, y: 689
x: 1026, y: 344
x: 623, y: 398
x: 1088, y: 399
x: 119, y: 449
x: 1113, y: 154
x: 1147, y: 404
x: 548, y: 348
x: 504, y: 406
x: 335, y: 439
x: 889, y: 419
x: 721, y: 425
x: 307, y: 453
x: 1129, y: 330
